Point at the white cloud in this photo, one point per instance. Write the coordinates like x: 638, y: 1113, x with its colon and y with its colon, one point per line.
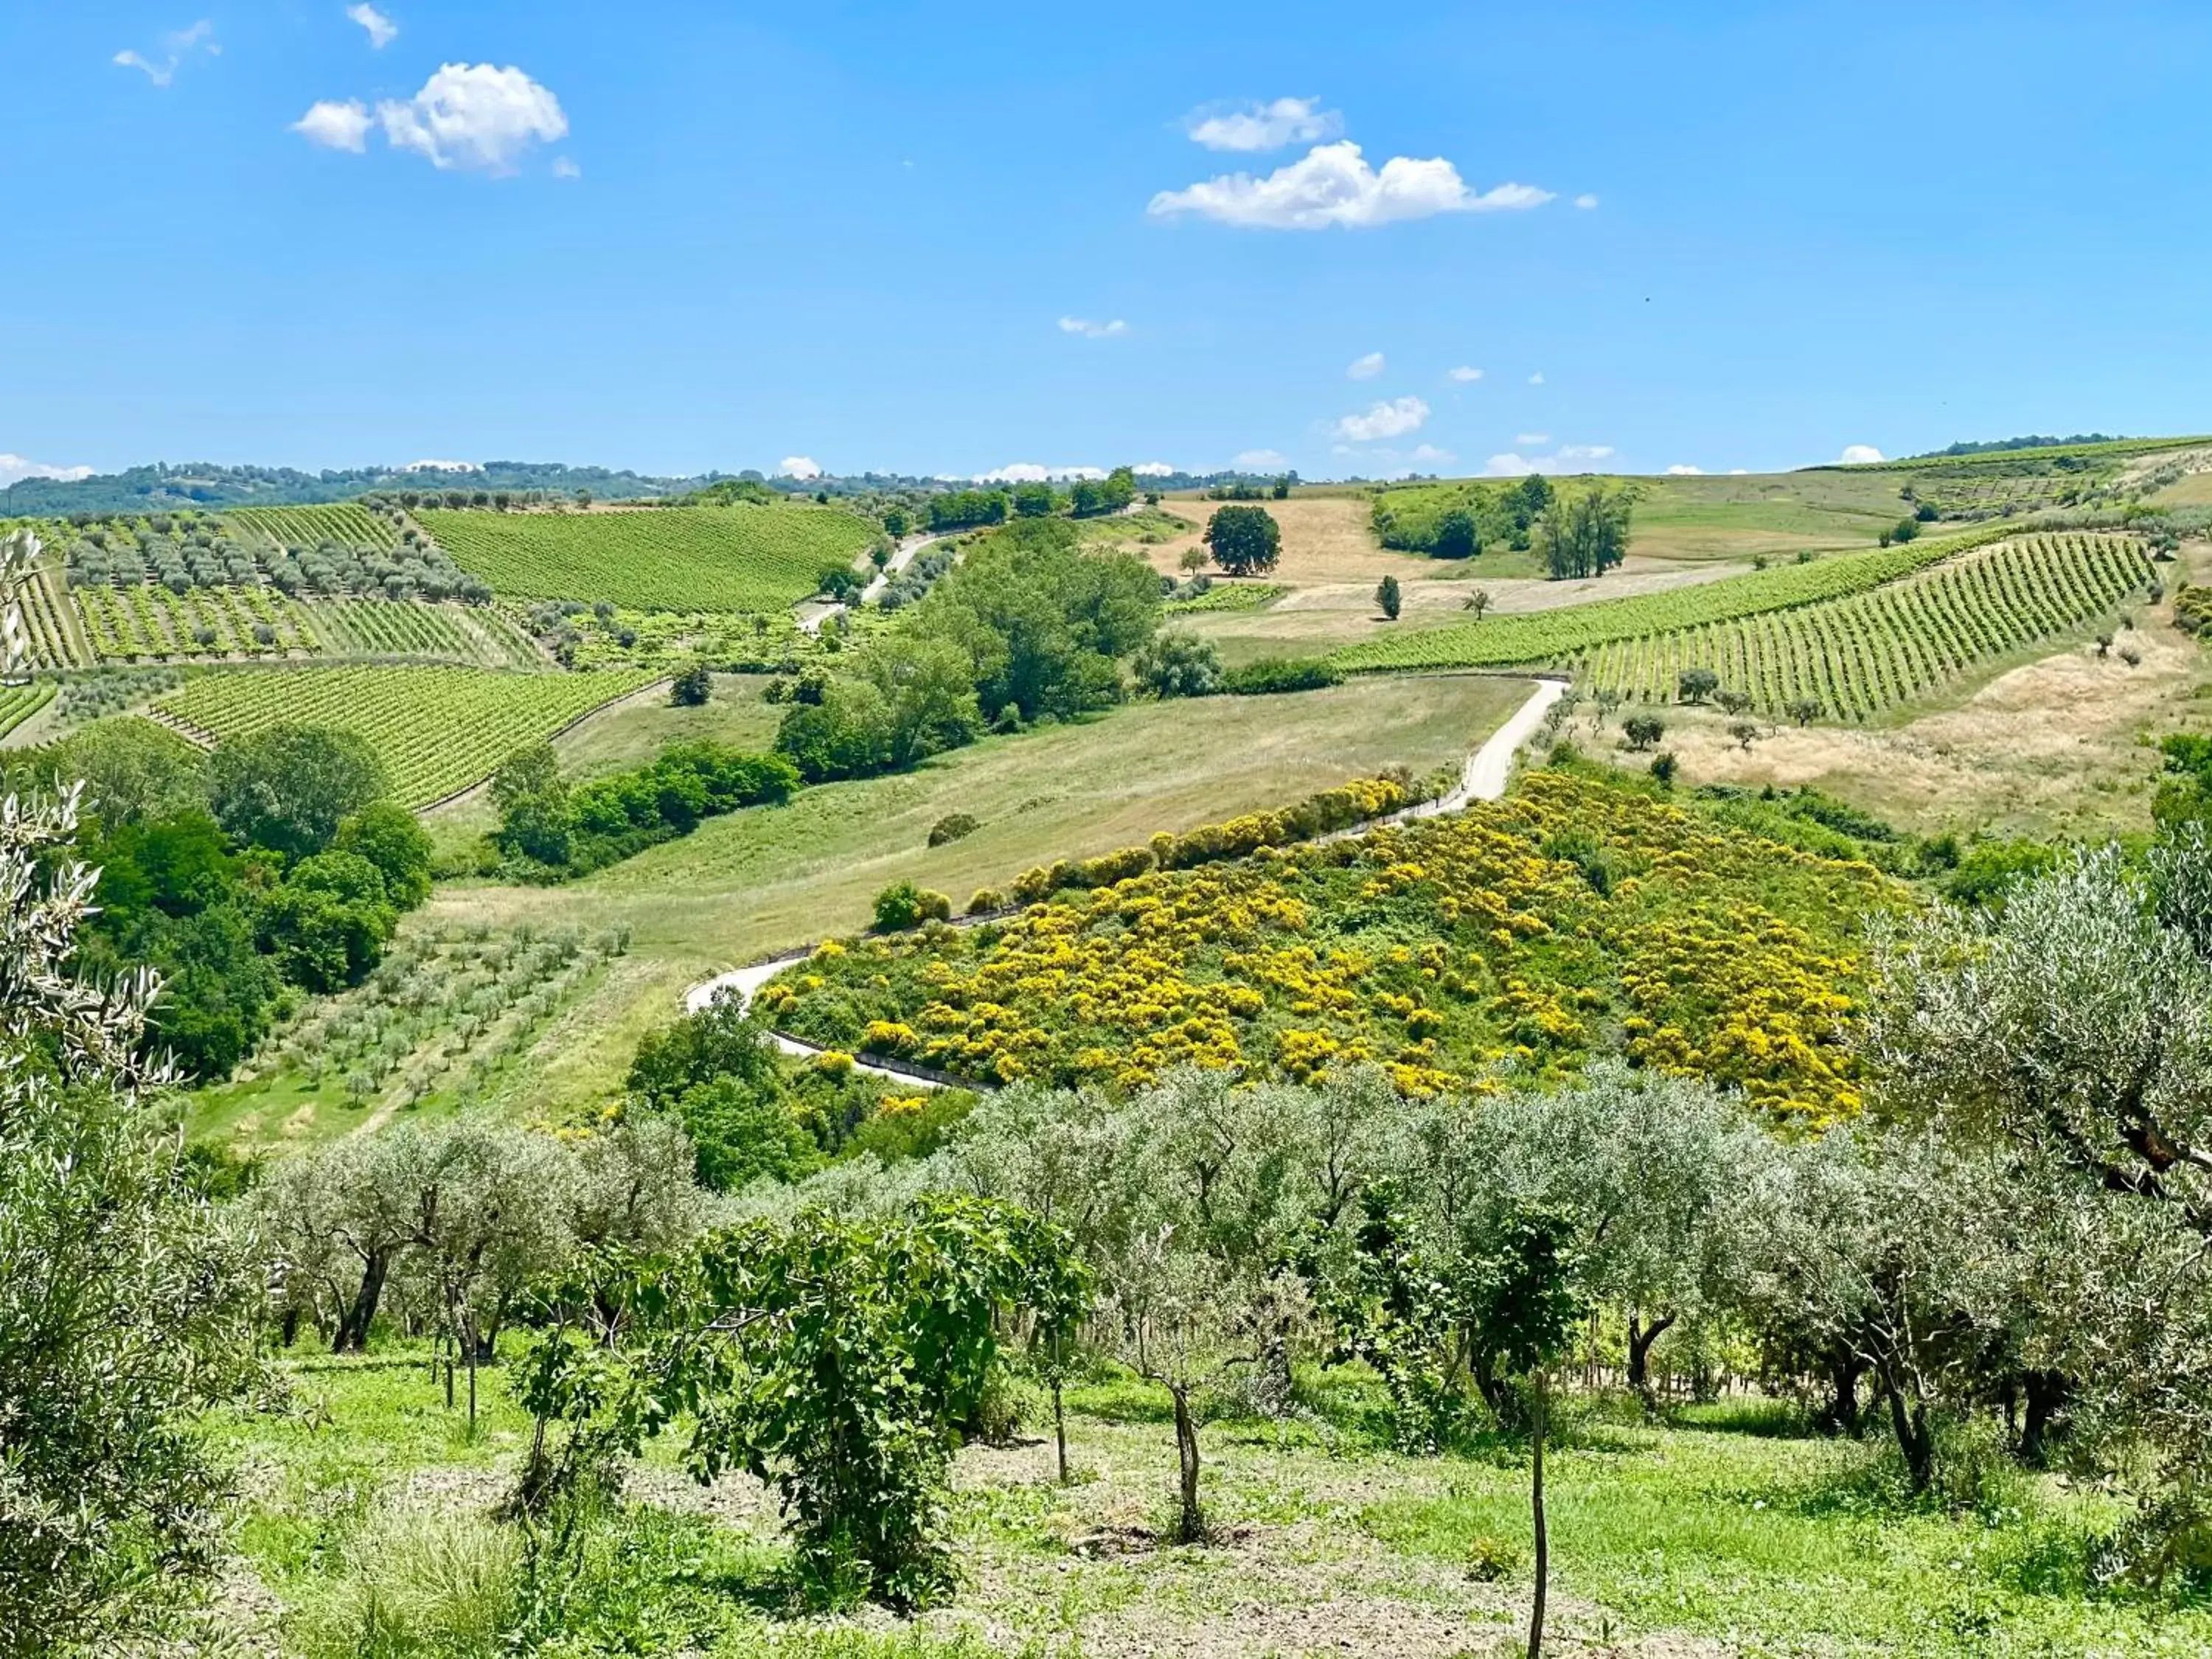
x: 1859, y: 455
x: 1033, y: 472
x: 1365, y: 369
x: 1530, y: 439
x: 1585, y: 200
x: 1332, y: 184
x: 1464, y: 376
x: 1261, y: 460
x: 1537, y: 379
x: 1093, y: 330
x: 1429, y: 454
x: 335, y: 125
x: 1263, y: 126
x: 178, y: 45
x: 1154, y: 469
x: 565, y: 168
x: 1679, y: 470
x: 799, y: 466
x: 1391, y: 420
x: 474, y: 116
x: 1568, y: 458
x: 382, y: 31
x: 13, y: 469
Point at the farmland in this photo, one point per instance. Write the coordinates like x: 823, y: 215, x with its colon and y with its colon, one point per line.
x: 713, y: 558
x: 474, y: 634
x: 347, y: 524
x: 19, y: 703
x: 436, y: 729
x: 142, y: 622
x: 1858, y: 656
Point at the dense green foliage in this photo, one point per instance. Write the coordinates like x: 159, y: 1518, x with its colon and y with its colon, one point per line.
x: 560, y: 830
x: 1458, y: 520
x: 1244, y: 541
x: 688, y: 558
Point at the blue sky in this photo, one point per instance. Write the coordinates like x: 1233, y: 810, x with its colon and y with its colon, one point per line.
x: 683, y: 235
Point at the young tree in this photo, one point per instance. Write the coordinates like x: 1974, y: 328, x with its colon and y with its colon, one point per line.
x: 1746, y: 732
x: 1244, y: 540
x: 1641, y: 732
x: 1479, y: 602
x: 1806, y: 710
x: 692, y: 687
x: 1696, y: 684
x: 1387, y: 596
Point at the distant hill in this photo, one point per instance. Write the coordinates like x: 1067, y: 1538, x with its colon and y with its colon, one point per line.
x: 1995, y: 446
x: 199, y: 483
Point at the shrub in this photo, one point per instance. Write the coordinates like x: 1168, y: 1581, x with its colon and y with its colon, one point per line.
x: 1642, y: 731
x: 951, y: 826
x: 902, y: 906
x: 692, y: 688
x: 1265, y: 676
x: 984, y: 899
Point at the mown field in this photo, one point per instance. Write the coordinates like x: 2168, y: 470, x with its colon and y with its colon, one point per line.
x: 701, y: 558
x: 1523, y: 934
x: 436, y: 729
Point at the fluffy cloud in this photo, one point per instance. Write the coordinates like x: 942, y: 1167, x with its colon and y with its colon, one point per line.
x: 382, y: 31
x: 799, y: 466
x: 1261, y: 460
x: 1332, y: 184
x: 1568, y: 458
x: 1093, y: 330
x: 1391, y: 420
x: 1530, y: 439
x: 335, y: 125
x: 474, y: 116
x: 13, y: 469
x: 1429, y: 454
x: 179, y: 46
x: 1586, y: 201
x: 1365, y: 369
x: 1859, y: 455
x: 1537, y: 379
x: 1252, y: 127
x: 1031, y: 472
x: 1154, y: 469
x: 1464, y: 374
x: 1678, y: 470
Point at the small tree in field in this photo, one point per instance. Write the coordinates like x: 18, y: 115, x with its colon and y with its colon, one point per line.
x: 1244, y: 539
x: 1193, y: 560
x: 1479, y: 602
x: 1663, y: 768
x: 1806, y: 710
x: 1642, y: 731
x: 1387, y: 597
x: 1746, y: 732
x: 692, y: 688
x: 1696, y: 684
x: 1733, y: 703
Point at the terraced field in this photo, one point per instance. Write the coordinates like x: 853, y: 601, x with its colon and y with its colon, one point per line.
x: 47, y: 629
x: 19, y: 703
x: 690, y: 558
x: 437, y: 729
x: 1859, y: 655
x: 145, y: 623
x: 475, y: 634
x: 1560, y: 635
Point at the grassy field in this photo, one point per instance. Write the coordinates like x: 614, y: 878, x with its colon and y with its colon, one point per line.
x: 693, y: 558
x: 1727, y: 1531
x: 744, y: 886
x: 436, y: 729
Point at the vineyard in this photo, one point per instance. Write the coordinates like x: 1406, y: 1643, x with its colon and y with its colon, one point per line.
x: 1558, y: 636
x: 451, y: 633
x: 1859, y: 655
x: 697, y: 558
x: 1577, y: 916
x: 346, y: 524
x: 19, y: 703
x: 47, y: 631
x: 142, y: 623
x: 436, y: 729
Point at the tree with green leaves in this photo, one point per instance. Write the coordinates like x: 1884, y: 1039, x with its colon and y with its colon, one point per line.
x: 1696, y: 684
x: 535, y: 818
x: 1584, y: 532
x: 1642, y: 732
x: 288, y: 788
x: 1387, y: 598
x: 1244, y: 540
x: 692, y: 687
x: 1458, y: 535
x: 1177, y: 663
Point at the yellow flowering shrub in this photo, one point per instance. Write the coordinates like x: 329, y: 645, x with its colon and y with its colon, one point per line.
x: 1448, y: 951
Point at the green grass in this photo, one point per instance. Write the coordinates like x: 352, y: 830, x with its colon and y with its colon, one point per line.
x: 1869, y: 651
x: 700, y: 558
x: 1554, y: 636
x: 1730, y: 1527
x: 436, y: 729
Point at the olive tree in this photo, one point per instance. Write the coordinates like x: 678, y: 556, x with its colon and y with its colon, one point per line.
x: 124, y: 1307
